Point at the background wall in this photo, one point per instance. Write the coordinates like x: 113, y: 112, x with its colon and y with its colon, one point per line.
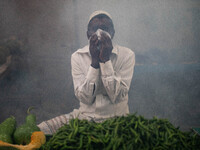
x: 164, y: 34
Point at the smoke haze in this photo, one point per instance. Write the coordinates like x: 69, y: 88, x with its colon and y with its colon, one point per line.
x: 164, y: 34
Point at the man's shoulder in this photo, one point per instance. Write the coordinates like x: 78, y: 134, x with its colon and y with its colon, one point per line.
x: 122, y: 50
x: 83, y: 50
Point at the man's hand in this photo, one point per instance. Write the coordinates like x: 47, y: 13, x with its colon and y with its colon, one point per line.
x: 94, y: 51
x: 106, y: 48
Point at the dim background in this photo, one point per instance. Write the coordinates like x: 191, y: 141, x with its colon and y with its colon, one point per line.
x: 164, y: 34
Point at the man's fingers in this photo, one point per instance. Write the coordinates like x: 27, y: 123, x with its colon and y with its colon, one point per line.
x: 103, y: 34
x: 105, y: 38
x: 106, y: 42
x: 93, y: 38
x: 96, y: 42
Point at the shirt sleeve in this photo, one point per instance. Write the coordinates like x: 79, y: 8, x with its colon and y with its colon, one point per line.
x: 85, y: 85
x: 117, y: 83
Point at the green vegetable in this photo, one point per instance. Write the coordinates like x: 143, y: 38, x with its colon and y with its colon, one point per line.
x: 122, y: 133
x: 7, y: 129
x: 22, y: 135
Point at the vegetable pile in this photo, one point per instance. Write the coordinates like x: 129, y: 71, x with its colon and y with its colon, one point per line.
x: 126, y: 132
x: 27, y: 136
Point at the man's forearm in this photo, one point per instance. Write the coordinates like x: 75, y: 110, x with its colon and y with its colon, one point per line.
x: 86, y: 91
x: 85, y: 85
x: 117, y: 83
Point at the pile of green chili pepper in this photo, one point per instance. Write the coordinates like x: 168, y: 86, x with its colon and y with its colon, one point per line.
x: 130, y: 132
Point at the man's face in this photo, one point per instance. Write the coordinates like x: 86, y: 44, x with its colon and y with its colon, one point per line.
x: 100, y: 23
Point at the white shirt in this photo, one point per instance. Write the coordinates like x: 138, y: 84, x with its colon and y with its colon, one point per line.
x: 103, y: 92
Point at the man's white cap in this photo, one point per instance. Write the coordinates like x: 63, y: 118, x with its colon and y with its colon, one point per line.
x: 98, y: 12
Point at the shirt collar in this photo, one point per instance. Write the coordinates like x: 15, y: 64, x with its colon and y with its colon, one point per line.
x: 86, y: 50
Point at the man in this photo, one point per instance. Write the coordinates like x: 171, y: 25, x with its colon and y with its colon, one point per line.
x: 102, y: 73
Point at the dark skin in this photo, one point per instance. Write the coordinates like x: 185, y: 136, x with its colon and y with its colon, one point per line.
x: 105, y: 43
